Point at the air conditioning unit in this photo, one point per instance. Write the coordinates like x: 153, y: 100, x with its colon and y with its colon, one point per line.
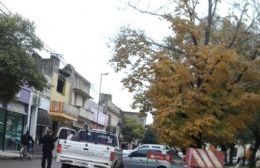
x: 36, y: 100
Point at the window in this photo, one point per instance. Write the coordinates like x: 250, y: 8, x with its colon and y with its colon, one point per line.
x: 156, y: 147
x: 61, y: 85
x: 144, y: 146
x: 139, y: 153
x: 98, y: 138
x: 109, y: 119
x: 64, y: 133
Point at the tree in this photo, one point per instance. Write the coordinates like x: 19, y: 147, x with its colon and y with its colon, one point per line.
x: 149, y: 136
x: 202, y: 82
x: 131, y: 130
x: 17, y: 67
x: 252, y: 134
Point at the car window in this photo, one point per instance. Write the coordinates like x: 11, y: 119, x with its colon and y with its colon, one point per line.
x: 98, y: 138
x: 144, y: 146
x: 64, y: 133
x: 156, y: 147
x: 155, y: 151
x: 139, y: 153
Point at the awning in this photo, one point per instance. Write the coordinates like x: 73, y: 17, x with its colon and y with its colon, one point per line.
x: 43, y: 118
x: 63, y: 116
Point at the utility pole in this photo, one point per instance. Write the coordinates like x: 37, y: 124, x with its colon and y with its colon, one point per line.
x: 100, y: 84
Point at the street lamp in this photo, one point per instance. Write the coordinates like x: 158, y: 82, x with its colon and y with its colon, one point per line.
x: 100, y: 84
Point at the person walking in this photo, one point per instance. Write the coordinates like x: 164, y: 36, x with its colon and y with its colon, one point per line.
x: 27, y: 141
x: 47, y: 142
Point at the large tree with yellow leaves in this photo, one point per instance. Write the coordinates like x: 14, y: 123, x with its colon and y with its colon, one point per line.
x: 202, y: 82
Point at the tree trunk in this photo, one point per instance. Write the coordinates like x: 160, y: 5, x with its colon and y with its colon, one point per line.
x: 252, y: 159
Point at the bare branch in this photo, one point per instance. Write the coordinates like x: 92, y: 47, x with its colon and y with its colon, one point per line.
x: 150, y: 41
x: 210, y: 18
x: 143, y: 11
x: 191, y: 11
x: 239, y: 23
x: 215, y: 7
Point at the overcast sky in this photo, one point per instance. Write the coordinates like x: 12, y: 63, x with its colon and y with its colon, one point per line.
x: 80, y: 30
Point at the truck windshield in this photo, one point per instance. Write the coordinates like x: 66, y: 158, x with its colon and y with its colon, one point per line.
x: 98, y: 138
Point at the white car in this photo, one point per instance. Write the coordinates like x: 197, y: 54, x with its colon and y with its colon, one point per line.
x: 147, y: 146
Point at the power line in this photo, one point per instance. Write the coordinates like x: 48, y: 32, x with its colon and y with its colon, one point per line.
x: 3, y: 12
x: 45, y: 46
x: 5, y: 8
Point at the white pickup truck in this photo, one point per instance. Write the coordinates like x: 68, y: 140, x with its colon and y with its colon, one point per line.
x: 88, y: 149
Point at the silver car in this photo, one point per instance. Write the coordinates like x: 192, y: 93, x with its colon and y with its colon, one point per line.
x: 139, y: 159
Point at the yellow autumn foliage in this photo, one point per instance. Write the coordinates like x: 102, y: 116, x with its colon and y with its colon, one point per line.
x: 203, y: 83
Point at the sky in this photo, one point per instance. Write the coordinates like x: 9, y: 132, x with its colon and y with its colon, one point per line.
x: 82, y: 30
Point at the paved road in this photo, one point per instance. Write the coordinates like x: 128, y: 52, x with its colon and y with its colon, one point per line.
x: 34, y: 163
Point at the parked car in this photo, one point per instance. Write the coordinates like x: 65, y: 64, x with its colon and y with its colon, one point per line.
x: 151, y: 158
x: 89, y: 149
x: 147, y: 146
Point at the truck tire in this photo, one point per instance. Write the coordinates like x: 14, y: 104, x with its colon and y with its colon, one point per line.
x: 63, y: 165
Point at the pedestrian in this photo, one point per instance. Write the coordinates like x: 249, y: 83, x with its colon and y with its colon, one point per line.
x: 47, y: 142
x: 26, y: 141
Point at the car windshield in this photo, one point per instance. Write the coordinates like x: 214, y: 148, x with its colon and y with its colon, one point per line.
x: 98, y: 138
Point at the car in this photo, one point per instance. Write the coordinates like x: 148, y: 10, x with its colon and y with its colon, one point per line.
x: 151, y: 158
x: 147, y: 146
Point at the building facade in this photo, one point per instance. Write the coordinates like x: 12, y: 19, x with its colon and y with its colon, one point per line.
x: 13, y: 120
x: 113, y: 112
x: 78, y: 96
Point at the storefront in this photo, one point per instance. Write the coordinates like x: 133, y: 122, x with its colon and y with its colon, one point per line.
x: 12, y: 123
x: 13, y: 119
x: 14, y: 130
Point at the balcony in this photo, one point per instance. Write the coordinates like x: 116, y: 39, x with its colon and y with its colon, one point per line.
x: 81, y: 86
x: 86, y: 114
x: 60, y: 109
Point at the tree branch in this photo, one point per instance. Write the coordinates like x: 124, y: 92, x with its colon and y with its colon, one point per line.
x: 144, y: 12
x: 210, y: 17
x: 239, y: 23
x: 240, y: 76
x: 163, y: 46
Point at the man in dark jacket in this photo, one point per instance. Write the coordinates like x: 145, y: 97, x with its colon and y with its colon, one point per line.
x: 47, y: 142
x: 27, y: 140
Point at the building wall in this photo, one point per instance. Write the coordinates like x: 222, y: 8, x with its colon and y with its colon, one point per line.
x: 56, y: 96
x: 115, y: 119
x: 135, y: 115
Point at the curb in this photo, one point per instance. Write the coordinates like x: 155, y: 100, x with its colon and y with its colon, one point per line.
x: 18, y: 157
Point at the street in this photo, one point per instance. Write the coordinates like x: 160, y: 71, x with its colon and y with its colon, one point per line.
x: 34, y: 163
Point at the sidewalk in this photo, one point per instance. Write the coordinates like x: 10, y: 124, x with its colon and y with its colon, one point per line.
x: 9, y: 155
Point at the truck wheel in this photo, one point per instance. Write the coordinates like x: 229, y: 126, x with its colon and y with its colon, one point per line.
x: 65, y: 165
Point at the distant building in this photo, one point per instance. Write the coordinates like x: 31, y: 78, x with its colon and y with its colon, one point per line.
x: 78, y: 96
x: 100, y: 118
x: 136, y: 116
x: 113, y: 112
